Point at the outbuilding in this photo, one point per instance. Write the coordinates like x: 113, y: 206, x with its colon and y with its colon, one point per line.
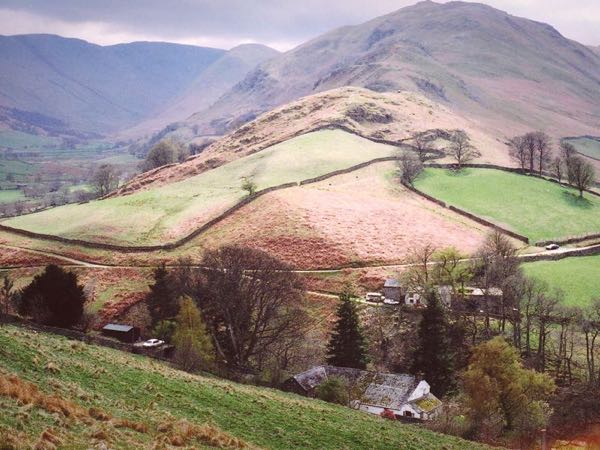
x: 124, y: 333
x: 392, y: 289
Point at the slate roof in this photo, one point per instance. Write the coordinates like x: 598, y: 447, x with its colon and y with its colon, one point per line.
x: 389, y: 390
x: 117, y: 327
x: 390, y: 282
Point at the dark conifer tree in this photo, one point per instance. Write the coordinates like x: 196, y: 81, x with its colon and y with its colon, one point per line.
x: 434, y: 356
x: 53, y: 298
x: 347, y: 344
x: 162, y: 298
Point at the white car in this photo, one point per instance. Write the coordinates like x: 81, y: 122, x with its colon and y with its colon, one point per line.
x: 389, y: 301
x: 552, y: 247
x: 153, y: 343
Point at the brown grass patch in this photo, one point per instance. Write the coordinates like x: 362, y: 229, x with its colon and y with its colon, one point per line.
x: 182, y: 432
x: 49, y: 440
x: 28, y: 394
x: 135, y: 426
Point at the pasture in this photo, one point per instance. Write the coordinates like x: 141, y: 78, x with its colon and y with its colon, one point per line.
x: 586, y: 145
x: 536, y: 208
x: 577, y: 277
x: 169, y: 212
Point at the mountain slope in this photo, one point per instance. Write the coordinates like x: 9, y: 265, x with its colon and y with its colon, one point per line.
x: 68, y: 394
x: 224, y: 73
x: 92, y: 88
x: 510, y: 72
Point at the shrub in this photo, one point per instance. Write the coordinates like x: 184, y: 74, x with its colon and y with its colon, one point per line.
x: 334, y: 390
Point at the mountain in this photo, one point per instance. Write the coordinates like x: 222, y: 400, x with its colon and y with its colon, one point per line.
x: 509, y: 72
x: 48, y: 80
x: 224, y: 73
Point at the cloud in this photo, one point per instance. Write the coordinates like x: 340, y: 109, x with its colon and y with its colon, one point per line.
x: 226, y: 23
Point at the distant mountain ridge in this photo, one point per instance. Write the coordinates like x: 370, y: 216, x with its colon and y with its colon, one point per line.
x: 511, y: 72
x: 86, y: 87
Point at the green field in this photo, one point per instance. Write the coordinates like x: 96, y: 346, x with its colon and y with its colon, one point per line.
x: 166, y: 213
x: 586, y: 145
x: 18, y: 140
x: 538, y: 209
x: 128, y: 387
x: 578, y: 277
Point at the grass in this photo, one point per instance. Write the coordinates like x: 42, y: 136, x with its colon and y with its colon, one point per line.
x: 18, y: 140
x: 586, y: 145
x: 11, y: 195
x: 166, y: 213
x: 538, y: 209
x: 78, y: 395
x: 577, y: 277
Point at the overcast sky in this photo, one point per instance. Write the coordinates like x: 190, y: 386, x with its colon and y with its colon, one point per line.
x: 281, y: 24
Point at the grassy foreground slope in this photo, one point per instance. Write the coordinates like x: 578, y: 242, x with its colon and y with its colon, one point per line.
x: 576, y: 277
x: 536, y: 208
x: 139, y: 402
x: 171, y: 211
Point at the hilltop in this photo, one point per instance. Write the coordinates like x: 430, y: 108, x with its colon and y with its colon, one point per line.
x: 509, y: 72
x: 392, y: 117
x: 73, y: 395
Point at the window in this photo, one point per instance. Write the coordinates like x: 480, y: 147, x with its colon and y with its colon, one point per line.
x: 408, y: 414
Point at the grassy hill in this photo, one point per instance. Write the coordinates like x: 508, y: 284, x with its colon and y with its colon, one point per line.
x: 168, y: 212
x: 576, y: 277
x: 538, y: 209
x: 73, y: 395
x: 586, y: 145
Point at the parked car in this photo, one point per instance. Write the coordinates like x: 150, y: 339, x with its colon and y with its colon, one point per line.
x: 375, y: 297
x: 150, y: 343
x: 390, y: 301
x: 552, y: 247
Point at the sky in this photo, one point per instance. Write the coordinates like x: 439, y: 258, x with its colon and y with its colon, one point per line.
x: 281, y: 24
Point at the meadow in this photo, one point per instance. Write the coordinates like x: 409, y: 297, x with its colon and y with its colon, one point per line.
x: 538, y: 209
x: 585, y: 145
x: 577, y: 277
x: 76, y: 395
x: 171, y: 211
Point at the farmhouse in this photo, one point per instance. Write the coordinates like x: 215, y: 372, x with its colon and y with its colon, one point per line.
x: 392, y: 289
x: 124, y: 333
x: 402, y: 395
x: 413, y: 297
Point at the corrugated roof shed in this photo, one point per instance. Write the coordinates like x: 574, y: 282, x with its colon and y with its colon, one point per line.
x: 390, y: 282
x: 117, y: 327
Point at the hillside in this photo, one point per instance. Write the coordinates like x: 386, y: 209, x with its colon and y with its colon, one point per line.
x: 511, y: 73
x: 73, y: 395
x: 52, y: 83
x: 224, y: 73
x: 391, y: 117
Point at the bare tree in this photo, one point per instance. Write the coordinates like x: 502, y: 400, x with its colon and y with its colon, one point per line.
x: 558, y: 168
x: 105, y: 179
x: 251, y: 303
x: 581, y: 174
x: 6, y: 294
x: 545, y: 309
x: 590, y: 325
x: 420, y: 273
x: 567, y: 152
x: 421, y: 142
x: 529, y: 143
x: 410, y: 167
x: 518, y: 151
x: 543, y: 150
x: 461, y: 148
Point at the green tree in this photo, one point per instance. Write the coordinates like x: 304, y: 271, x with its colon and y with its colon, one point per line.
x: 434, y: 357
x: 499, y: 389
x: 165, y: 152
x: 53, y: 298
x: 193, y: 344
x: 347, y: 346
x: 249, y: 186
x: 162, y: 298
x: 164, y: 330
x: 334, y: 390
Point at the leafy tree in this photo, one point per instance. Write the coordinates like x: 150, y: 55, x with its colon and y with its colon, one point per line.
x: 164, y: 330
x: 165, y: 152
x: 162, y: 298
x: 434, y: 355
x: 347, y: 346
x: 499, y: 390
x: 53, y: 298
x: 193, y: 344
x: 334, y: 390
x: 249, y: 186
